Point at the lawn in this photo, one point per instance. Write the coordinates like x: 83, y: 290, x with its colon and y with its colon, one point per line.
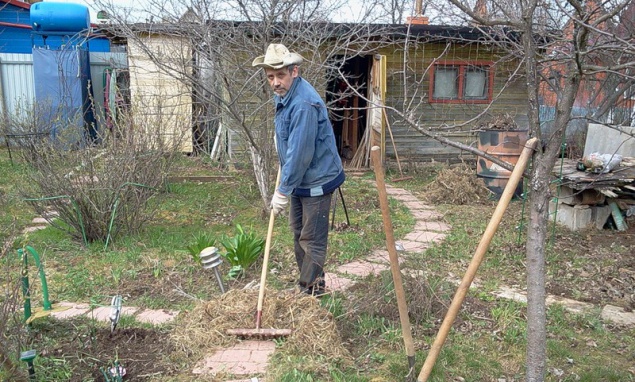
x: 154, y: 269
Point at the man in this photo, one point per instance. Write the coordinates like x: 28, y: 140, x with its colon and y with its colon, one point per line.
x: 311, y: 168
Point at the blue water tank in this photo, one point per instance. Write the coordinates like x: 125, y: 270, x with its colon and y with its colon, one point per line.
x: 59, y: 17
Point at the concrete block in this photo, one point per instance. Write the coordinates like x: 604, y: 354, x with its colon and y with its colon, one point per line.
x: 600, y: 214
x: 573, y: 217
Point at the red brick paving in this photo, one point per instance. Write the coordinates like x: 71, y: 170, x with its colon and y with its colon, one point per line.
x: 244, y: 358
x: 249, y: 358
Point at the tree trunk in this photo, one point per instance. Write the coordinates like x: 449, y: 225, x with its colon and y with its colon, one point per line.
x: 537, y: 232
x: 261, y: 171
x: 536, y: 229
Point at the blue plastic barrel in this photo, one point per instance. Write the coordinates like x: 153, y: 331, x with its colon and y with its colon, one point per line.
x: 59, y: 17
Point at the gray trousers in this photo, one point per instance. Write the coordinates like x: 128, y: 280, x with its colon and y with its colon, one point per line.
x: 309, y: 221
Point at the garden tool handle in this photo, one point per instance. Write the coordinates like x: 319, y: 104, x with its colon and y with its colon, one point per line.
x: 394, y: 260
x: 265, y: 261
x: 479, y: 254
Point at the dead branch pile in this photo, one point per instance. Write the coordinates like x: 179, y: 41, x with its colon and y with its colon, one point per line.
x: 503, y: 122
x: 457, y: 185
x: 203, y: 329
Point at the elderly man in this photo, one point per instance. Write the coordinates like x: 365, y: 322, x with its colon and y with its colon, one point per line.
x: 311, y: 168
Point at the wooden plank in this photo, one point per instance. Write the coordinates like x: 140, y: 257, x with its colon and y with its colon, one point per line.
x: 580, y: 180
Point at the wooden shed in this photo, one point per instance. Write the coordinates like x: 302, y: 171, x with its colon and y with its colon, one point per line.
x: 451, y: 81
x: 160, y: 100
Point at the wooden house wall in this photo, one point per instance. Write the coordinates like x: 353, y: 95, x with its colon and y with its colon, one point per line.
x: 161, y: 102
x: 450, y: 120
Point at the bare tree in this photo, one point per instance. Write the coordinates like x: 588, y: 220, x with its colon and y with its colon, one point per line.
x: 229, y: 93
x: 587, y: 50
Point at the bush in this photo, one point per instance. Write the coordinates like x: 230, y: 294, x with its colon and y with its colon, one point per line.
x: 99, y: 187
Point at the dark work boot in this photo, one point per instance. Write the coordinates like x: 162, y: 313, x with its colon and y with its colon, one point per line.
x: 318, y: 288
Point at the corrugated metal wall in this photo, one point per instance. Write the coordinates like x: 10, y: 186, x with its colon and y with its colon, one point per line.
x: 16, y: 84
x: 18, y: 90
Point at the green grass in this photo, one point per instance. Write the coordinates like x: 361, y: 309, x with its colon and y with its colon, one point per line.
x: 153, y: 269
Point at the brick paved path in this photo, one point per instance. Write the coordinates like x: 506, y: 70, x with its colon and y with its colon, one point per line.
x: 249, y: 358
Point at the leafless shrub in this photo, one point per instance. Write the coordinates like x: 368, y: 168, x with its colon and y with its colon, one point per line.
x: 96, y: 187
x: 11, y: 328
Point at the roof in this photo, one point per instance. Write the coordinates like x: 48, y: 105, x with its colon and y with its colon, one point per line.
x: 17, y: 3
x: 392, y: 31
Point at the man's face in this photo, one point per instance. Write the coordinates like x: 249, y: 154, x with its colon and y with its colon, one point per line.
x: 280, y: 80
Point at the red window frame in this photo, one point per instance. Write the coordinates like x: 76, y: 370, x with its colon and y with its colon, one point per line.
x: 462, y: 66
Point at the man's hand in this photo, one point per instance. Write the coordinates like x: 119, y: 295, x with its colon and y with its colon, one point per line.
x: 278, y: 202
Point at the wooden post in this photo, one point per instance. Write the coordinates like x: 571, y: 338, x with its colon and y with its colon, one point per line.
x: 461, y: 291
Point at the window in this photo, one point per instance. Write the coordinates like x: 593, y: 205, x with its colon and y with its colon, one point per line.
x: 461, y: 82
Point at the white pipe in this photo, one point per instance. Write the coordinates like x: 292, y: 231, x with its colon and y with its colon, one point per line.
x: 212, y: 155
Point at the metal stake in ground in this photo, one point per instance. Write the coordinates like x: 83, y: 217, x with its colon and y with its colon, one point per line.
x: 258, y: 332
x: 461, y: 291
x: 394, y: 260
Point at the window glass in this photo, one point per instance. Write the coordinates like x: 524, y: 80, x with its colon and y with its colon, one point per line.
x: 461, y: 82
x: 476, y: 83
x: 446, y: 81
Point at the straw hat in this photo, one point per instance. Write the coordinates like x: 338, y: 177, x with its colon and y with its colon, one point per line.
x: 277, y: 57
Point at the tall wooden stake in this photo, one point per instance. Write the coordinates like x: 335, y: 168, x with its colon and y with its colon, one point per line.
x: 461, y: 291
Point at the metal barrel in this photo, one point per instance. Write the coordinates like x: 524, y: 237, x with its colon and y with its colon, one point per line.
x: 505, y: 145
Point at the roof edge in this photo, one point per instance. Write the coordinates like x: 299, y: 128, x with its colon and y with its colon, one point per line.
x: 17, y: 3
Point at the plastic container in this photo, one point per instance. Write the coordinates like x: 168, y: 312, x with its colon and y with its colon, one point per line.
x: 505, y: 145
x: 59, y: 17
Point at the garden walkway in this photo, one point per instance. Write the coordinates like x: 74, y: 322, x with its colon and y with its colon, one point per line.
x: 249, y: 358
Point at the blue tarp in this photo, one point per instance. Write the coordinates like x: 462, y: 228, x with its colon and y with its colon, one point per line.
x: 62, y: 79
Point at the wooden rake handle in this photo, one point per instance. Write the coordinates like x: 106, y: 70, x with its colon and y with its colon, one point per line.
x: 461, y: 291
x: 265, y: 261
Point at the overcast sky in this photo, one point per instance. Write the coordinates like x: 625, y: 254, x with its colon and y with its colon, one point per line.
x: 349, y: 13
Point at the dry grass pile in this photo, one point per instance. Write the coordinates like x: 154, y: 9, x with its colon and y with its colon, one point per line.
x: 203, y: 329
x: 457, y: 185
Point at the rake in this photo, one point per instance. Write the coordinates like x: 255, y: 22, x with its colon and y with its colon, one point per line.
x: 258, y: 331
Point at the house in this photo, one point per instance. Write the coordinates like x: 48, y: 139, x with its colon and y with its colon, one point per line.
x: 443, y: 77
x: 609, y: 95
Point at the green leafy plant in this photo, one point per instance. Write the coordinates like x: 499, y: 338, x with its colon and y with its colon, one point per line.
x: 242, y: 249
x: 202, y: 241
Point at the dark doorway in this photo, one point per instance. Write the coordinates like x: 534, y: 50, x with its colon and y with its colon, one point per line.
x: 347, y: 108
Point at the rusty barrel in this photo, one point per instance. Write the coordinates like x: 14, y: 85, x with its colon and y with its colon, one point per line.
x: 505, y: 145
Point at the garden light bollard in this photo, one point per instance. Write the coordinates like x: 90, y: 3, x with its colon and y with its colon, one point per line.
x: 210, y: 258
x: 28, y: 357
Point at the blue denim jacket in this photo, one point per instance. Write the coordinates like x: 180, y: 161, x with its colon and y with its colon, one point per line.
x: 311, y: 165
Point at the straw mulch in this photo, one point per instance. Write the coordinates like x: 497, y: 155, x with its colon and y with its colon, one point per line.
x: 203, y: 329
x: 457, y: 185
